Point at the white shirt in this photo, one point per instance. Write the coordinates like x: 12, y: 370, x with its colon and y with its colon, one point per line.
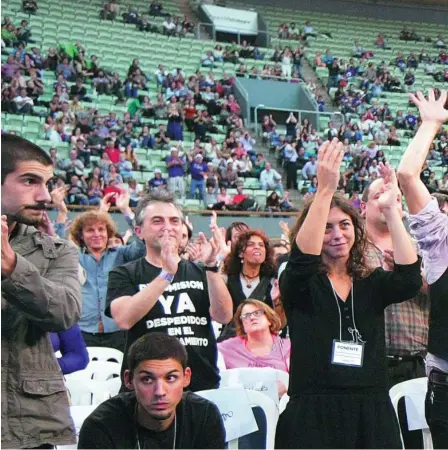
x: 24, y: 100
x: 169, y: 26
x: 270, y: 178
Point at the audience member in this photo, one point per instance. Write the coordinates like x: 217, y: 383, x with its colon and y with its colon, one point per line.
x: 135, y: 289
x: 156, y: 412
x: 40, y: 294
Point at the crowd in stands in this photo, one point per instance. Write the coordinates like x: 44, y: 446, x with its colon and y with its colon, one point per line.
x: 172, y: 26
x: 233, y: 277
x: 104, y: 148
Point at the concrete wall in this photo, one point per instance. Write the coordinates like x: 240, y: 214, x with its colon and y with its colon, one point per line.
x: 270, y: 225
x: 273, y: 94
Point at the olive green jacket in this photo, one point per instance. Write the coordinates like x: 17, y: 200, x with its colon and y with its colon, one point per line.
x: 42, y: 295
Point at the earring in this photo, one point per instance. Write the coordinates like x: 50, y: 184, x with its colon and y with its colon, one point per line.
x: 242, y: 261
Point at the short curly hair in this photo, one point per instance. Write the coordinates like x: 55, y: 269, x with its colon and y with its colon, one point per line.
x: 271, y: 315
x: 88, y: 218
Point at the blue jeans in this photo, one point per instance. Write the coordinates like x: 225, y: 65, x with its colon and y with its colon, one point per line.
x: 195, y: 184
x: 130, y: 90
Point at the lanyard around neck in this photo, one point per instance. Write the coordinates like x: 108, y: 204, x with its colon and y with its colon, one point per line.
x: 356, y: 335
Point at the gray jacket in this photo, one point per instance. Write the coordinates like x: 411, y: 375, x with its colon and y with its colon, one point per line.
x: 42, y: 295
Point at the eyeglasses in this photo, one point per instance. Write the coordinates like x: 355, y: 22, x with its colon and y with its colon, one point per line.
x: 247, y: 316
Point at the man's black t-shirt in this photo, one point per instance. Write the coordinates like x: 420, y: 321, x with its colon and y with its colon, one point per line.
x: 182, y: 311
x: 113, y: 425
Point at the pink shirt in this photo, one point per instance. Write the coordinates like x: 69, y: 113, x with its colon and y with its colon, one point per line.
x: 237, y: 355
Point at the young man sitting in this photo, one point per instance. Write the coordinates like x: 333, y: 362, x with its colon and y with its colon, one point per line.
x: 156, y: 413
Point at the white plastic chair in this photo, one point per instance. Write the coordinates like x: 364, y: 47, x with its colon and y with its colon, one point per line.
x: 98, y: 371
x: 221, y: 362
x: 271, y: 412
x: 256, y: 399
x: 283, y: 402
x: 91, y: 392
x: 229, y: 376
x: 105, y: 354
x: 407, y: 388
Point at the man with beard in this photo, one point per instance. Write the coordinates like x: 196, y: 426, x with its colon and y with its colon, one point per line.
x: 40, y: 294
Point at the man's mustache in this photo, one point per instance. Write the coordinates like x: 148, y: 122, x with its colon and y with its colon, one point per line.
x: 41, y: 206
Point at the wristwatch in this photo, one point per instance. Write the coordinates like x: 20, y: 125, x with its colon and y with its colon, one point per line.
x: 214, y: 268
x: 166, y: 276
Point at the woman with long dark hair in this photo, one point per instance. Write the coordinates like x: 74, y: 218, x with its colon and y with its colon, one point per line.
x: 334, y: 305
x: 249, y: 271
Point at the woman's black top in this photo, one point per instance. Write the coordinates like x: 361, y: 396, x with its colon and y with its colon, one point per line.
x: 313, y: 321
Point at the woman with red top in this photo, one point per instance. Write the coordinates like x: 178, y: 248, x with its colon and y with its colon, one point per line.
x: 190, y: 114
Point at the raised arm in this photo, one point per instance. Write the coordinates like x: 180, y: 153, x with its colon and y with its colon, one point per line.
x: 404, y: 249
x: 433, y: 115
x: 214, y: 250
x: 311, y: 235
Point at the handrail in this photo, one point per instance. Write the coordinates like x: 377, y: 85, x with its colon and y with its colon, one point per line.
x: 202, y: 212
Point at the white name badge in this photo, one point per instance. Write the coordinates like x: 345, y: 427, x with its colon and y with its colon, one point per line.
x: 347, y: 353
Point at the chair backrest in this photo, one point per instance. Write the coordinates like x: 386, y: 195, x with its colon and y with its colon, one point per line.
x: 221, y: 362
x: 98, y: 371
x: 415, y: 390
x: 256, y: 378
x: 91, y: 392
x: 105, y: 354
x: 283, y: 402
x: 265, y: 414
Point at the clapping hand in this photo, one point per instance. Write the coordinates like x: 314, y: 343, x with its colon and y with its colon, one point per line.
x: 431, y: 110
x: 390, y: 193
x: 122, y: 200
x: 58, y: 198
x: 8, y: 254
x: 285, y: 228
x: 219, y: 235
x: 193, y: 251
x: 329, y: 164
x: 46, y: 226
x: 104, y: 203
x: 169, y: 253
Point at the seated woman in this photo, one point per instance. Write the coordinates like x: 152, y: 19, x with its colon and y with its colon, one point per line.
x: 257, y: 343
x: 73, y: 349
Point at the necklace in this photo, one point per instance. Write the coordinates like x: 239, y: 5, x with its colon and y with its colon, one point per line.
x: 249, y: 279
x: 138, y: 437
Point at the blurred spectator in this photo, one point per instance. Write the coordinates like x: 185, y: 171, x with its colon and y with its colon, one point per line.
x: 30, y: 6
x: 176, y: 173
x: 310, y: 168
x: 158, y: 182
x: 271, y: 179
x: 136, y: 191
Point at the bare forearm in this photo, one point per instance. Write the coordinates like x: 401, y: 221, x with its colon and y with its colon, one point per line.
x: 416, y: 194
x: 128, y: 310
x: 221, y: 306
x: 415, y: 155
x: 311, y: 235
x: 404, y: 249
